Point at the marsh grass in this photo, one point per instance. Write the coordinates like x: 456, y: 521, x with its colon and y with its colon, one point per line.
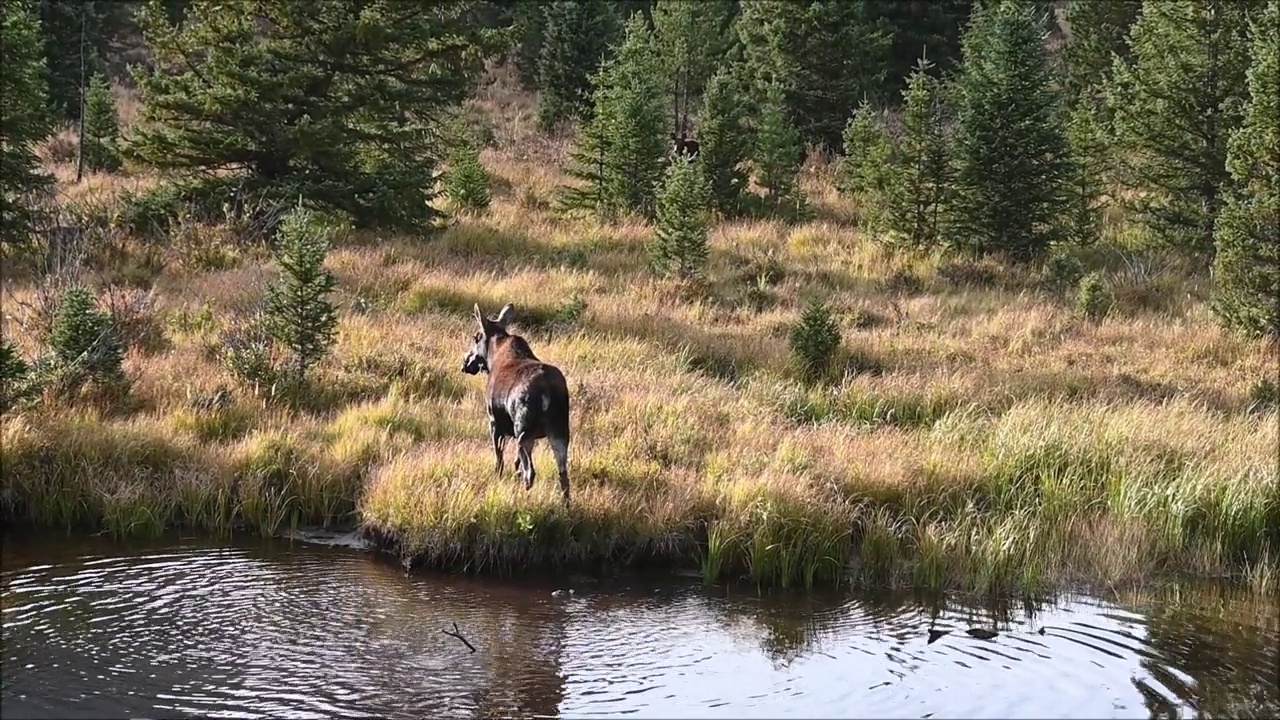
x: 974, y: 431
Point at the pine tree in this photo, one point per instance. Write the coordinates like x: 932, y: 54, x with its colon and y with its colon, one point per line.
x: 84, y: 340
x: 826, y: 55
x: 24, y: 121
x: 1246, y: 268
x: 1010, y: 148
x: 692, y: 39
x: 576, y: 35
x: 865, y: 173
x: 930, y: 28
x: 529, y: 26
x: 77, y: 36
x: 101, y: 127
x: 621, y: 148
x: 1175, y: 105
x: 777, y: 150
x: 922, y: 170
x: 723, y: 142
x: 1099, y: 30
x: 1089, y: 166
x: 680, y: 240
x: 814, y: 340
x: 300, y: 315
x: 338, y: 101
x: 467, y: 182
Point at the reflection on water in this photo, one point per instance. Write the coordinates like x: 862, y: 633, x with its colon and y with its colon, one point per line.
x: 93, y: 629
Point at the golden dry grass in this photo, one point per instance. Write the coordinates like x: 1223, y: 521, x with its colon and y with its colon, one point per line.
x: 982, y: 435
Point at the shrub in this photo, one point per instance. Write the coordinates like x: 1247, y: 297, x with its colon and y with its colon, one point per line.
x: 101, y: 127
x: 680, y: 240
x: 568, y: 313
x: 85, y: 344
x: 249, y: 352
x: 1093, y: 299
x: 13, y: 374
x: 1264, y: 394
x: 148, y: 214
x: 1063, y: 270
x: 814, y: 340
x: 467, y: 183
x: 299, y: 314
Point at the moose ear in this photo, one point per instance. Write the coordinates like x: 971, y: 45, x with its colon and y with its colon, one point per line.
x: 505, y: 315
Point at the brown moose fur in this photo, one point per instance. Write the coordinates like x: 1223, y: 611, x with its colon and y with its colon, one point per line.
x: 525, y: 398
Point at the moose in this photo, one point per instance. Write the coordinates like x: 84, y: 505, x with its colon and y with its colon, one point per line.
x: 526, y: 399
x: 682, y: 146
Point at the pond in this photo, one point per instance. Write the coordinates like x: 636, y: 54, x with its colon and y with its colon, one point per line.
x: 321, y: 629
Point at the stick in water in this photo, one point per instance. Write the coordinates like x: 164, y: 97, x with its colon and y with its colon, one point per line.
x: 458, y: 635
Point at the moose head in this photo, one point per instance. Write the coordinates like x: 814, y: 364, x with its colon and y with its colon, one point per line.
x: 684, y: 147
x: 477, y: 358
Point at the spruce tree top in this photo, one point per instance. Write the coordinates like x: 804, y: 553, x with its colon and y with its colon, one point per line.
x: 337, y: 100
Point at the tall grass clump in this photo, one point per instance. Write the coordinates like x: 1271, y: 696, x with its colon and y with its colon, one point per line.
x: 1194, y: 507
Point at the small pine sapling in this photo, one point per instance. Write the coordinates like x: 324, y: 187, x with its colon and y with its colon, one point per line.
x: 814, y: 340
x: 680, y: 240
x: 299, y: 314
x: 467, y: 183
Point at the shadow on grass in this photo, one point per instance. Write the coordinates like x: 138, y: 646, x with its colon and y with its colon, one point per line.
x: 471, y: 244
x: 539, y: 321
x: 536, y: 318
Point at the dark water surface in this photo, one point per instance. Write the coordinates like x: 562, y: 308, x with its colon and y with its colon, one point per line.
x: 300, y: 630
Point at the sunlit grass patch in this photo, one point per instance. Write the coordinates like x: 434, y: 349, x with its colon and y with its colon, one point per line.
x: 972, y: 430
x: 62, y: 471
x: 285, y: 479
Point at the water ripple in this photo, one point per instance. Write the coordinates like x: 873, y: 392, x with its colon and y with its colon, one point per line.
x: 254, y: 631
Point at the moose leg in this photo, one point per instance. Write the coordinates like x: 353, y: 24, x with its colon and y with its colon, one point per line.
x: 499, y: 445
x: 560, y: 448
x: 526, y: 441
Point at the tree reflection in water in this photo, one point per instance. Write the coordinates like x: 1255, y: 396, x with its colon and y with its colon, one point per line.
x: 1225, y: 642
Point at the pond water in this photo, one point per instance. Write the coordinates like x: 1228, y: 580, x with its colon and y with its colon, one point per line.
x: 252, y: 629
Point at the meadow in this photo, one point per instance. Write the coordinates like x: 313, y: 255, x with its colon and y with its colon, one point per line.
x: 977, y: 432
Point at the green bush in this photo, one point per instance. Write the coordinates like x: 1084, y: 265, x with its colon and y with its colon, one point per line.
x: 84, y: 343
x: 13, y: 374
x: 814, y: 340
x: 152, y: 213
x: 679, y: 244
x: 1063, y: 270
x: 249, y: 352
x: 1093, y: 299
x: 1264, y: 394
x: 101, y: 127
x: 467, y: 183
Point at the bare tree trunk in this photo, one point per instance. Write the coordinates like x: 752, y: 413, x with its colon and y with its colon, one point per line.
x: 80, y: 153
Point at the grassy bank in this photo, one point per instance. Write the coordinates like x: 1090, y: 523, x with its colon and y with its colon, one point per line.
x: 981, y: 433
